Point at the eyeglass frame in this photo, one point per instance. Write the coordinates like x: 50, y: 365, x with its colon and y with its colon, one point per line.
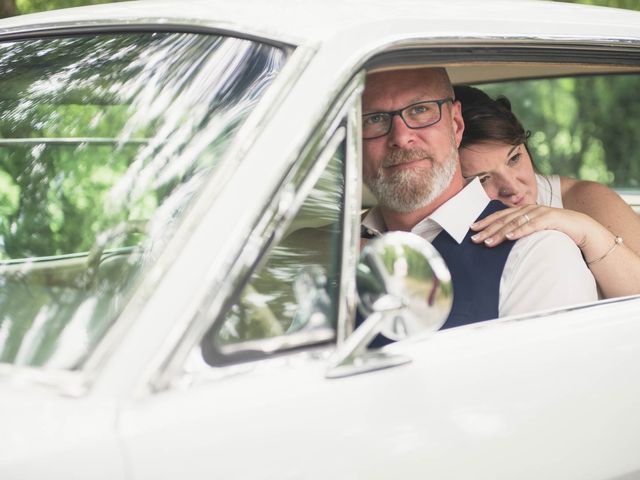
x: 393, y: 113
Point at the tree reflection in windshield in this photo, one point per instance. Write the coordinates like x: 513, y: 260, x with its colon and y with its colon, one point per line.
x: 104, y: 140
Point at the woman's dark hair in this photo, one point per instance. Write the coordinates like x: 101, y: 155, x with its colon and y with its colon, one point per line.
x: 488, y: 120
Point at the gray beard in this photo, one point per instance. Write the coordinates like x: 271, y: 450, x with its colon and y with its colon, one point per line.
x: 411, y: 189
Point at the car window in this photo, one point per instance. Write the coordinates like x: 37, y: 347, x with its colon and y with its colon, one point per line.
x: 294, y: 290
x: 104, y: 141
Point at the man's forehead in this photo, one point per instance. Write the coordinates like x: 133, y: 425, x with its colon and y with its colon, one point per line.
x: 385, y: 91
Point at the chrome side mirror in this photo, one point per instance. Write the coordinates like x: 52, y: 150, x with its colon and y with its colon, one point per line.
x: 404, y: 288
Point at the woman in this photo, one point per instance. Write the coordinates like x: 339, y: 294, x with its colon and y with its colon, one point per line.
x: 494, y: 149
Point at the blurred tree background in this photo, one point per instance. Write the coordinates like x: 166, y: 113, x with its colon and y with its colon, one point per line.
x: 9, y: 8
x: 582, y: 127
x: 628, y: 4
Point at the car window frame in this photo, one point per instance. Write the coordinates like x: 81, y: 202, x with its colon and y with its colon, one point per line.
x: 292, y: 195
x: 184, y: 363
x: 413, y: 53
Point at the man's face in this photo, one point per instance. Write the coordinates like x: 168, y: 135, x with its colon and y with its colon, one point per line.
x: 408, y: 168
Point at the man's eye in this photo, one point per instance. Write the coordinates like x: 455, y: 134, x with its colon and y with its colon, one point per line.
x: 373, y: 119
x: 418, y: 109
x: 484, y: 178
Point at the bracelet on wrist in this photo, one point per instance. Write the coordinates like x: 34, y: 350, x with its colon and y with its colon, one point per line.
x: 616, y: 242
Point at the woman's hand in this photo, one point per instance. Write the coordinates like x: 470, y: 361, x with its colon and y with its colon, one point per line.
x: 517, y: 222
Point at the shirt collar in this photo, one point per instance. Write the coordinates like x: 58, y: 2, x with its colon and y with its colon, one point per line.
x: 455, y: 215
x: 458, y: 213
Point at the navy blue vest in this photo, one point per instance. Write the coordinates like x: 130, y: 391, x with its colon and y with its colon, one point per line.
x: 475, y: 270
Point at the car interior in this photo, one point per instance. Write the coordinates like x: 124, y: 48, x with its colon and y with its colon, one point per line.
x: 555, y: 98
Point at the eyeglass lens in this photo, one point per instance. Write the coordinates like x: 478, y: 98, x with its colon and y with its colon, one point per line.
x: 417, y: 115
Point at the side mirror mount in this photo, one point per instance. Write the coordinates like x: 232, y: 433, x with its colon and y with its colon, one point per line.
x: 404, y: 288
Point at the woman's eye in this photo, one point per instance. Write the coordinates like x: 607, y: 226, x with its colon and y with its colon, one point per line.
x: 515, y: 159
x: 484, y: 178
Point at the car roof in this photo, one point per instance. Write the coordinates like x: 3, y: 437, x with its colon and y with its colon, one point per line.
x: 311, y: 21
x: 372, y: 33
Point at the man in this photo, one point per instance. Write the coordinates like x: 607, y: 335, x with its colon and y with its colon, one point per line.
x: 412, y: 127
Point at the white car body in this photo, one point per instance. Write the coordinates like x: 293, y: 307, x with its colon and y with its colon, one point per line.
x: 549, y: 395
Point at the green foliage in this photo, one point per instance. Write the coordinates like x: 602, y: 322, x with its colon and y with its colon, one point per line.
x: 627, y: 4
x: 583, y: 127
x: 51, y: 183
x: 31, y: 6
x: 104, y: 141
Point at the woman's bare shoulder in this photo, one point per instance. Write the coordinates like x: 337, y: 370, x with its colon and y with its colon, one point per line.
x: 606, y: 207
x: 587, y: 196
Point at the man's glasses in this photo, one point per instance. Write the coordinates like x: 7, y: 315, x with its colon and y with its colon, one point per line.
x: 416, y: 115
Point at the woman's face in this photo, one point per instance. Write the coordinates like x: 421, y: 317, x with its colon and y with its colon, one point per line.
x: 505, y: 171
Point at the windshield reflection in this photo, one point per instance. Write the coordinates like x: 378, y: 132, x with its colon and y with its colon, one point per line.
x: 104, y: 141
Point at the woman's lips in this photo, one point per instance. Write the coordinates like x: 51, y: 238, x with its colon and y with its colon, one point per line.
x: 517, y: 200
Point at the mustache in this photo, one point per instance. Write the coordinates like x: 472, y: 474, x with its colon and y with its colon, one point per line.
x: 398, y: 157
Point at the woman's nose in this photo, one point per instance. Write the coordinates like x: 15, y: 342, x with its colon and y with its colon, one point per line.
x: 507, y: 187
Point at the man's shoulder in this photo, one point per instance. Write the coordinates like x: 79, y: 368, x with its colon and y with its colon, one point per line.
x: 545, y: 237
x: 545, y: 270
x: 550, y: 246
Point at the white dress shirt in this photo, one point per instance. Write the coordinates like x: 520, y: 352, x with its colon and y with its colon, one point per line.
x: 543, y: 270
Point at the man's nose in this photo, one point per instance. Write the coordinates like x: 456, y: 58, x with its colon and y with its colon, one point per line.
x: 400, y: 135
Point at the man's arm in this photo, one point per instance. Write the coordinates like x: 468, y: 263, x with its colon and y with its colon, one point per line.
x: 545, y: 270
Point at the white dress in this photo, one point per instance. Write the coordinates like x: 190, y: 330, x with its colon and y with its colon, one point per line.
x: 549, y: 193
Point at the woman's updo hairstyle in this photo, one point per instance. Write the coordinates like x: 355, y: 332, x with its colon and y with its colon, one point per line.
x: 488, y: 120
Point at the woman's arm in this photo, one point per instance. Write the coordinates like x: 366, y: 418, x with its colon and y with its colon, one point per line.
x: 618, y: 273
x: 616, y: 269
x: 605, y: 206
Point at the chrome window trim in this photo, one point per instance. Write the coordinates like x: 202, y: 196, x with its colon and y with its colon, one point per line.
x: 545, y: 313
x: 351, y: 222
x: 405, y: 42
x: 272, y: 219
x: 534, y: 52
x: 448, y: 52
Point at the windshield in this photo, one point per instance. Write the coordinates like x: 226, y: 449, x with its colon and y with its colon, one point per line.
x: 104, y: 141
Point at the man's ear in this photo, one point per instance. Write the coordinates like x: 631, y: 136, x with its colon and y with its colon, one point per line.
x: 458, y: 121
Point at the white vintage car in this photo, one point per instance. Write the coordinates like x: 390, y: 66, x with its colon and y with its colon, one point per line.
x: 180, y: 200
